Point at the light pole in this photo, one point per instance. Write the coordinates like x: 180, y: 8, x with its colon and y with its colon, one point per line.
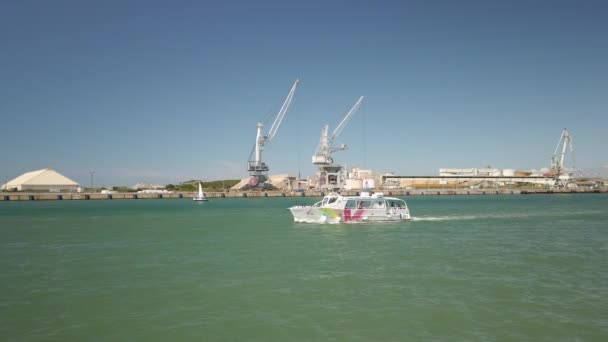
x: 92, y: 173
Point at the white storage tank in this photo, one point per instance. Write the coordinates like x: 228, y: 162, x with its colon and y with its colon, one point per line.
x: 369, y: 183
x: 353, y: 183
x: 508, y: 173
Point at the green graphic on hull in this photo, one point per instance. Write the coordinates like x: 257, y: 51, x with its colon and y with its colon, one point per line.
x: 331, y: 213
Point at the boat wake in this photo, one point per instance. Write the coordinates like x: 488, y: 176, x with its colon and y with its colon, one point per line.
x: 468, y: 217
x: 447, y: 218
x: 502, y: 216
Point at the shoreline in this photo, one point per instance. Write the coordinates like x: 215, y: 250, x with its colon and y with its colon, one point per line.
x: 25, y: 196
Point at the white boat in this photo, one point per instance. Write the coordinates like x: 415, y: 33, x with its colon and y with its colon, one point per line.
x: 201, y: 195
x: 335, y: 208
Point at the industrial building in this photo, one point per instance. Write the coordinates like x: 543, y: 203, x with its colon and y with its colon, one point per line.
x: 45, y: 180
x: 483, y: 172
x: 471, y: 178
x: 473, y: 182
x: 353, y: 179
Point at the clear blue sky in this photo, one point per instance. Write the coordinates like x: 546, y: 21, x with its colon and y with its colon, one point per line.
x: 166, y: 91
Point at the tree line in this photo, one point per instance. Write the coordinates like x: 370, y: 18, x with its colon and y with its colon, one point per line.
x: 207, y: 186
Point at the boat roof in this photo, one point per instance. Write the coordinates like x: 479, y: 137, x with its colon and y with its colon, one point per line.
x: 364, y: 196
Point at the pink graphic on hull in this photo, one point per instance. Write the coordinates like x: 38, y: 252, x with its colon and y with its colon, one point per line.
x: 351, y: 215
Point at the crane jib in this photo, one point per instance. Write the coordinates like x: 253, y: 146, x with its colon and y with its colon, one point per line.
x: 256, y: 166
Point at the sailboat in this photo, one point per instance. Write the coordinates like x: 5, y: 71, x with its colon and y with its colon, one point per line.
x: 201, y: 195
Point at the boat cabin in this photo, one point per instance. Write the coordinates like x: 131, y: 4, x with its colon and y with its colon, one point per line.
x: 364, y: 201
x: 374, y: 203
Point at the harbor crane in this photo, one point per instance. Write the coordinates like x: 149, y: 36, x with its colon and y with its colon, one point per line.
x: 557, y: 161
x: 256, y: 167
x: 330, y: 175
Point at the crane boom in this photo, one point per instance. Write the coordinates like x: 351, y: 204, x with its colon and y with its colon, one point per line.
x: 277, y: 121
x: 565, y: 141
x: 561, y: 158
x: 559, y: 142
x: 326, y: 148
x: 331, y: 176
x: 255, y: 165
x: 344, y: 121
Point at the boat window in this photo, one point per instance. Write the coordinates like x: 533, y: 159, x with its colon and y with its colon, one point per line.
x: 333, y: 199
x: 378, y: 204
x: 364, y: 204
x: 351, y: 204
x: 400, y: 204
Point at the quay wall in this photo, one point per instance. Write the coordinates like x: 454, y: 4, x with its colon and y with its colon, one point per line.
x: 18, y: 196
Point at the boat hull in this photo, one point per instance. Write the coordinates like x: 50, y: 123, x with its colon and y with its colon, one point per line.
x: 311, y: 214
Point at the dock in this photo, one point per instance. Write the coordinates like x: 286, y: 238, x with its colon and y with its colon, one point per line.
x: 22, y: 196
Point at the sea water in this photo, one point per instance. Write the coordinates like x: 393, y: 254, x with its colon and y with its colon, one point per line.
x: 466, y: 268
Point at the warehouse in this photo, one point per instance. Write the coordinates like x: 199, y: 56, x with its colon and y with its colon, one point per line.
x: 45, y: 180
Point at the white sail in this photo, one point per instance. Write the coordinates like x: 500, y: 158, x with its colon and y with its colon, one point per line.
x: 201, y: 195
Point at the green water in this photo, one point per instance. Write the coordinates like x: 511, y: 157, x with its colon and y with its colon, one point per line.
x: 467, y: 268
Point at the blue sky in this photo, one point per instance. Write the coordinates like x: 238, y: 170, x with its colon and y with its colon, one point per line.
x: 166, y: 91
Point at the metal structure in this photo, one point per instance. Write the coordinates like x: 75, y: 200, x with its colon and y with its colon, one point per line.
x: 330, y: 174
x: 256, y: 167
x: 557, y: 161
x: 92, y: 173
